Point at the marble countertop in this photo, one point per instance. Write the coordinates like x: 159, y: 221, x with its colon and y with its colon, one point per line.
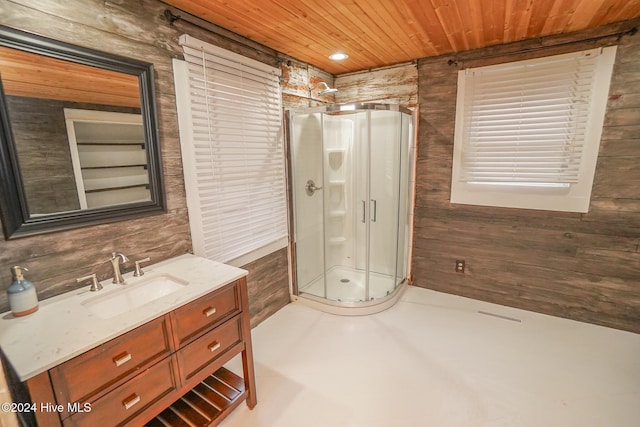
x: 63, y: 327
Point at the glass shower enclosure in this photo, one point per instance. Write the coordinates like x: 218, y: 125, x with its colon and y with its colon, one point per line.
x: 350, y: 172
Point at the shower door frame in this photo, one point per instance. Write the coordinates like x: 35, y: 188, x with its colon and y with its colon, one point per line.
x: 324, y: 302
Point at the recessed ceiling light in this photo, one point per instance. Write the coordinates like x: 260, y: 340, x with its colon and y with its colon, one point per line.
x: 338, y: 56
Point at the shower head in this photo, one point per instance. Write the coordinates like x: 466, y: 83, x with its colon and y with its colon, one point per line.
x: 330, y: 90
x: 326, y: 89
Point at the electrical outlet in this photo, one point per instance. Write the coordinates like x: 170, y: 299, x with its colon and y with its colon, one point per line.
x: 459, y: 266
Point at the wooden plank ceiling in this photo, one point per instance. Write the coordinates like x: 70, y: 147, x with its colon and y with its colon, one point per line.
x: 376, y: 33
x: 37, y: 76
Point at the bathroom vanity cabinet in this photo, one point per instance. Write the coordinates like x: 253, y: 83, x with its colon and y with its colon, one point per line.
x: 167, y: 371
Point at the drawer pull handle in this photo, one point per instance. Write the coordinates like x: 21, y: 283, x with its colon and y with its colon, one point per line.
x: 122, y: 360
x: 210, y: 311
x: 213, y: 347
x: 131, y: 402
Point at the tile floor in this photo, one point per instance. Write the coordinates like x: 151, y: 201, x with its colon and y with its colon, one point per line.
x: 434, y: 360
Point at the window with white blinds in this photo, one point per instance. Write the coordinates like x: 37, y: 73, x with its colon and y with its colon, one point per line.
x: 230, y: 116
x: 527, y: 133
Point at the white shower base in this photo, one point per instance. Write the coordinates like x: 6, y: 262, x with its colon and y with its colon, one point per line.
x: 347, y: 285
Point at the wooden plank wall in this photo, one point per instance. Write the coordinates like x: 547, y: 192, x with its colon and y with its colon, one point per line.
x: 393, y: 85
x: 138, y: 29
x: 579, y: 266
x: 40, y: 136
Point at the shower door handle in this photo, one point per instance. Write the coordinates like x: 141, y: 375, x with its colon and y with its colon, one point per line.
x: 364, y: 206
x: 375, y: 210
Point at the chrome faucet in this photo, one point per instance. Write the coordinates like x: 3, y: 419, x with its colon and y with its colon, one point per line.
x: 116, y: 259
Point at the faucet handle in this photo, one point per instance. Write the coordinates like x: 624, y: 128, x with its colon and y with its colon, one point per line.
x: 139, y: 271
x: 95, y: 285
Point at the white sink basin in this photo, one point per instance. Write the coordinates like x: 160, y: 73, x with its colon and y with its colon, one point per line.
x: 132, y: 295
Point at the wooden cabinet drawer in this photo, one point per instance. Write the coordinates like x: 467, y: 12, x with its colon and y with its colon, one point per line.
x: 196, y: 355
x: 119, y: 406
x: 86, y: 376
x: 194, y: 318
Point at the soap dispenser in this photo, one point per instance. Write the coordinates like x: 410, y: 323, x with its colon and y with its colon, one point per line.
x: 22, y: 295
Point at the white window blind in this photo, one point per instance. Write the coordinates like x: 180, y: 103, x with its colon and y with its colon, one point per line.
x: 233, y: 155
x: 529, y: 125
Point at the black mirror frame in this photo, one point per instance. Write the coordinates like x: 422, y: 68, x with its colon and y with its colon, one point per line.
x: 16, y: 220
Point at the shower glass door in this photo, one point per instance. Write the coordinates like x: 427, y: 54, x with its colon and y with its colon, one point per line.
x: 404, y: 195
x: 384, y: 180
x: 361, y: 181
x: 306, y: 161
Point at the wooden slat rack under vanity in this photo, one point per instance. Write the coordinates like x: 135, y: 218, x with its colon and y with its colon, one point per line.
x: 206, y: 404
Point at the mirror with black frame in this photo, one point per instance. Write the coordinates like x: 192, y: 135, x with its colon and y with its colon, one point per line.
x: 78, y: 136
